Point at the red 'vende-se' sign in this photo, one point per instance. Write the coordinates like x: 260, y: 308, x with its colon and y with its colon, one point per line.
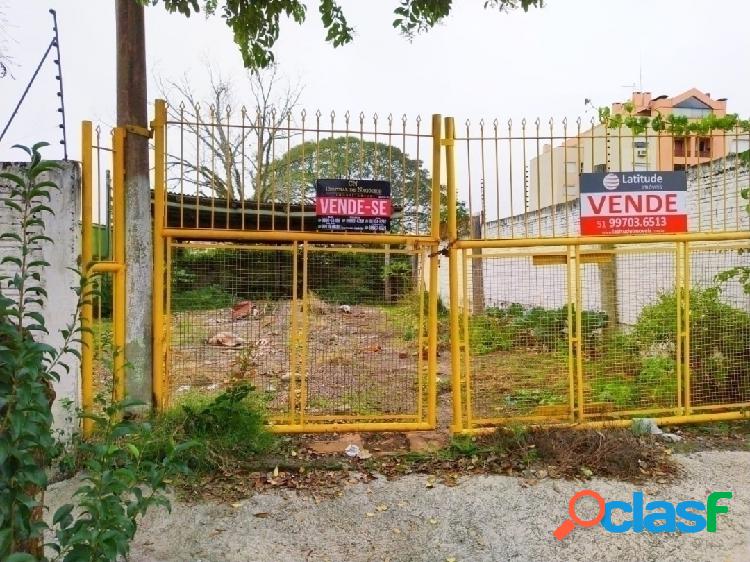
x: 344, y: 206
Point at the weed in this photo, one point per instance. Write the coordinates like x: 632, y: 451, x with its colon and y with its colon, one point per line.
x: 719, y: 342
x: 462, y: 446
x: 227, y: 429
x: 616, y: 390
x: 119, y: 486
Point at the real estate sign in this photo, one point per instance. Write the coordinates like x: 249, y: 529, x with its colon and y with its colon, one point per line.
x: 633, y: 203
x: 344, y: 205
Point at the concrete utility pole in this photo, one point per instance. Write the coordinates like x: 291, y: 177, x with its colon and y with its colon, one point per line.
x: 132, y: 111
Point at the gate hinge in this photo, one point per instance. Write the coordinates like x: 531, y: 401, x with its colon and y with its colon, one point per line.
x: 141, y: 131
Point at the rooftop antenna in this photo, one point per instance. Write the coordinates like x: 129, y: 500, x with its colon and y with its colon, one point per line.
x: 640, y: 72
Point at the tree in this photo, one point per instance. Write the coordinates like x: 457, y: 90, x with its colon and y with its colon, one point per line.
x: 231, y: 160
x: 291, y: 177
x: 255, y: 24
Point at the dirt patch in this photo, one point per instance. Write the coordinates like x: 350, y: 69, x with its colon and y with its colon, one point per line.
x: 722, y: 436
x: 320, y: 465
x: 358, y: 362
x: 544, y: 453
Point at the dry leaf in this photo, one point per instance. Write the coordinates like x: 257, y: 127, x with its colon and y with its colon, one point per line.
x: 261, y: 514
x: 370, y: 514
x: 381, y: 507
x: 276, y: 472
x: 432, y: 521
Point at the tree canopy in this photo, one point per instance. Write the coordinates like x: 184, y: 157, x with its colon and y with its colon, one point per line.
x: 255, y: 23
x: 291, y: 177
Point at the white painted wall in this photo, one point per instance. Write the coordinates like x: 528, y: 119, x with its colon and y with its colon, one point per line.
x: 58, y: 280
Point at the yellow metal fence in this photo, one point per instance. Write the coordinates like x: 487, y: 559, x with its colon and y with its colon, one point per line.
x: 336, y: 330
x: 550, y: 327
x: 339, y: 331
x: 574, y: 334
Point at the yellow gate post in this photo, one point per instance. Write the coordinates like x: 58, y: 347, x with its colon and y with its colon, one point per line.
x: 686, y: 324
x: 432, y: 323
x: 450, y: 170
x: 159, y: 363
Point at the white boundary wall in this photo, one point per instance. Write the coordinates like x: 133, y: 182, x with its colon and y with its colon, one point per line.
x: 58, y: 280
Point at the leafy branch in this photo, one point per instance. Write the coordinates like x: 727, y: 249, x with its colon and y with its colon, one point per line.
x: 674, y: 125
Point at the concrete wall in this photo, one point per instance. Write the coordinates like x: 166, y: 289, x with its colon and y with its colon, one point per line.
x: 714, y: 204
x: 62, y: 227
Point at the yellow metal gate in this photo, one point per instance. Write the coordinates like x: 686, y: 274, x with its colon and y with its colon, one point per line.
x: 550, y: 327
x: 336, y: 330
x: 340, y: 331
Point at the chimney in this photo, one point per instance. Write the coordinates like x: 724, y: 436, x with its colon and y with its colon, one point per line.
x: 641, y: 99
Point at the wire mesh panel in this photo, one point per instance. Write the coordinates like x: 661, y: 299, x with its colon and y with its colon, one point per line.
x: 231, y: 319
x: 629, y: 331
x: 102, y: 251
x: 364, y: 325
x: 719, y: 328
x: 326, y: 334
x: 515, y: 320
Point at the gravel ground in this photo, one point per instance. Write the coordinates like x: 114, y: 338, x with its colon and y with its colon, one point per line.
x: 488, y: 518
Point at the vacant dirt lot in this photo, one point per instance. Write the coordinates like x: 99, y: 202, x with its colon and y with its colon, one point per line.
x: 484, y: 518
x: 360, y: 362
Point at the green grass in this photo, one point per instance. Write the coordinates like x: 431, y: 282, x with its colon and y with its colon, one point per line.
x: 204, y: 298
x: 188, y: 332
x: 227, y: 429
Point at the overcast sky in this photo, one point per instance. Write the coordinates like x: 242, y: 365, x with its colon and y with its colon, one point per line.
x: 478, y: 63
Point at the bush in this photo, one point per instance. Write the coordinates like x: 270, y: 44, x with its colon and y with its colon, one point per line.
x: 488, y: 334
x: 226, y: 429
x: 619, y: 391
x: 719, y: 341
x: 515, y: 326
x: 657, y: 382
x: 205, y: 298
